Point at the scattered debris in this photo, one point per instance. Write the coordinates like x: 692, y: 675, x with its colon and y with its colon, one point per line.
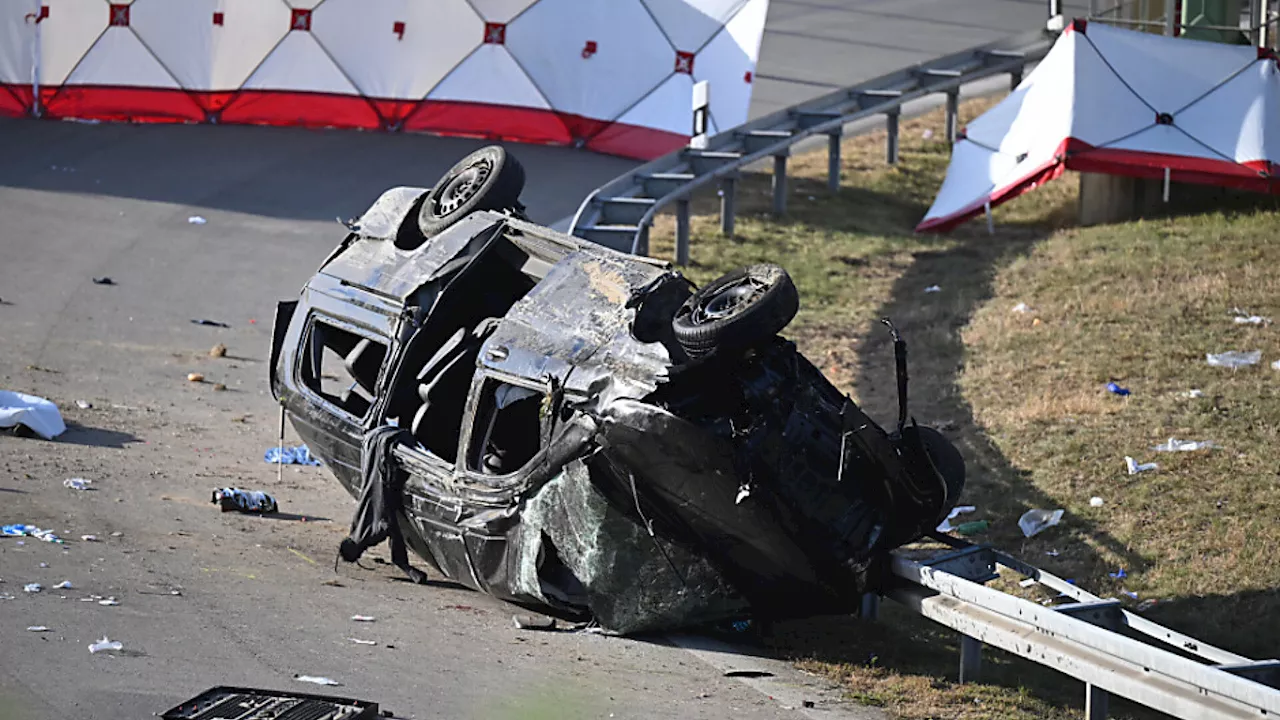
x: 1116, y: 389
x: 105, y: 644
x: 32, y: 588
x: 1129, y: 594
x: 1243, y: 317
x: 1175, y: 445
x: 20, y: 530
x: 77, y: 483
x: 195, y: 377
x: 1195, y: 393
x: 363, y: 618
x: 64, y: 585
x: 973, y: 528
x: 109, y: 602
x: 1028, y: 582
x: 1118, y: 574
x: 244, y: 500
x: 211, y: 323
x: 84, y: 404
x: 316, y: 680
x: 533, y: 622
x: 34, y: 413
x: 1033, y: 522
x: 358, y: 641
x: 1275, y: 365
x: 1022, y: 308
x: 956, y: 512
x: 1234, y: 359
x: 196, y: 220
x: 1095, y: 501
x: 299, y: 455
x: 218, y: 351
x: 103, y: 281
x: 1135, y: 467
x: 89, y: 538
x: 933, y: 289
x: 1146, y: 604
x: 809, y: 704
x: 37, y: 628
x: 928, y: 133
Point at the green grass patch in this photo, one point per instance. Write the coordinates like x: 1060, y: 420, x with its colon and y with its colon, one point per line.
x: 1022, y: 395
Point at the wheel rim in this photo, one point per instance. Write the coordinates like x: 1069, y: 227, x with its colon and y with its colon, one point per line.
x: 462, y: 187
x: 729, y: 300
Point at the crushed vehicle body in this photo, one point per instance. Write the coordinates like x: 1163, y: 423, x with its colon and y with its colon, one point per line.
x: 583, y: 432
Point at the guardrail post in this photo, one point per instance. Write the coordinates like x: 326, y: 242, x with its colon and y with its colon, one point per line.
x: 833, y: 160
x: 1095, y: 702
x: 728, y: 192
x: 891, y: 142
x: 870, y: 607
x: 953, y: 115
x: 682, y: 231
x: 779, y: 185
x: 970, y: 659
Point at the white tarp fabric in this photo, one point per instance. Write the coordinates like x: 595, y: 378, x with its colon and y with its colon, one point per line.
x: 36, y: 413
x: 613, y: 75
x: 1121, y: 102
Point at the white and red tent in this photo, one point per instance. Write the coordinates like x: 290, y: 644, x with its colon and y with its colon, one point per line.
x: 612, y: 75
x: 1121, y: 102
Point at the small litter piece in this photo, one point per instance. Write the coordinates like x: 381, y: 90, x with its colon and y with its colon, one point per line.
x: 44, y: 564
x: 1275, y: 365
x: 84, y: 404
x: 956, y: 512
x: 218, y: 351
x: 34, y: 413
x: 1234, y: 359
x: 933, y: 289
x: 1021, y: 308
x: 973, y: 528
x: 1129, y: 594
x: 64, y: 585
x: 195, y: 377
x: 1175, y: 445
x: 1243, y: 317
x: 105, y: 644
x: 89, y: 538
x: 77, y: 483
x: 1197, y: 393
x: 210, y: 323
x: 363, y: 618
x: 748, y: 673
x: 1146, y: 605
x: 1118, y: 574
x: 316, y: 680
x: 533, y: 622
x: 103, y: 281
x: 37, y: 628
x: 196, y: 220
x: 1028, y: 582
x: 1135, y: 467
x: 1033, y: 522
x: 299, y: 455
x: 1116, y: 389
x: 20, y: 530
x: 1095, y: 501
x: 109, y: 602
x: 32, y: 588
x: 254, y: 501
x: 358, y: 641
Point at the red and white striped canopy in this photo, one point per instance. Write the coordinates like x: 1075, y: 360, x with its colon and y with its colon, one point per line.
x: 613, y: 75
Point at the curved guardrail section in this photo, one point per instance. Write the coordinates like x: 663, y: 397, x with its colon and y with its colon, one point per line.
x: 620, y: 213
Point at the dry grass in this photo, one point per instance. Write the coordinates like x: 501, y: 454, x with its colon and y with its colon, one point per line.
x: 1023, y: 396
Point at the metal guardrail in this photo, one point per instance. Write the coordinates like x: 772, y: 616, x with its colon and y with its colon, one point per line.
x: 620, y: 213
x: 1095, y: 640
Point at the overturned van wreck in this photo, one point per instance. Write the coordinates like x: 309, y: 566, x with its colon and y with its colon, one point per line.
x: 584, y: 433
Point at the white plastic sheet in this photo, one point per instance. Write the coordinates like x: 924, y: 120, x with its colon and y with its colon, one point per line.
x: 36, y: 413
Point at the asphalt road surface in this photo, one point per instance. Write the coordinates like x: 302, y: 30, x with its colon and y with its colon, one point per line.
x: 259, y: 598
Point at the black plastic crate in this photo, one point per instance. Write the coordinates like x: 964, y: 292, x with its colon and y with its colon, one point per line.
x: 235, y: 703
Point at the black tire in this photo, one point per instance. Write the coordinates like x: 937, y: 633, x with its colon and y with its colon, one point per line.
x: 487, y: 179
x: 739, y: 310
x: 950, y: 464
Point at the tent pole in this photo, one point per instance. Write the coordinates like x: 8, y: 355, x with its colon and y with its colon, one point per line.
x: 1170, y: 17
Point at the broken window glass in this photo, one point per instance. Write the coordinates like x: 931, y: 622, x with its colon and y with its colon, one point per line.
x: 342, y: 366
x: 508, y: 429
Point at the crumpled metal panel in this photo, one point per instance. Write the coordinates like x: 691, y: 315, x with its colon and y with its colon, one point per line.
x: 629, y: 586
x: 577, y: 317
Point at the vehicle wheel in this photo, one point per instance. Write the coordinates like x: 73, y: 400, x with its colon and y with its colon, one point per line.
x: 950, y: 464
x: 487, y: 179
x: 739, y: 310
